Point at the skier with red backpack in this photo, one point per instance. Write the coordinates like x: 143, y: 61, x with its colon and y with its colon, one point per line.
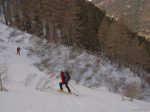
x: 65, y: 77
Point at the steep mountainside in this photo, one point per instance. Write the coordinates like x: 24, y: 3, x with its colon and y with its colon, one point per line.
x: 30, y: 89
x: 135, y: 13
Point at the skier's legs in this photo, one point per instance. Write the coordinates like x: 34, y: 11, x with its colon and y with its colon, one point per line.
x: 66, y: 84
x: 60, y: 85
x: 18, y: 52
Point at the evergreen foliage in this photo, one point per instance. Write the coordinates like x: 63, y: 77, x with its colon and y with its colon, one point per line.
x: 91, y: 18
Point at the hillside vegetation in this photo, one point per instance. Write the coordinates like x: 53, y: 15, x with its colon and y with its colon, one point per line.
x: 80, y: 24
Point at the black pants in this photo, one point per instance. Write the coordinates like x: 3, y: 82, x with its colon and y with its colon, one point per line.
x: 66, y: 84
x: 18, y: 52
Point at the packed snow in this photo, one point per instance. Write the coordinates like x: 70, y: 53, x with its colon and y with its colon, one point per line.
x: 32, y: 79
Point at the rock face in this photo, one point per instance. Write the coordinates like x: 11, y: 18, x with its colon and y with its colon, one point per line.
x: 135, y: 13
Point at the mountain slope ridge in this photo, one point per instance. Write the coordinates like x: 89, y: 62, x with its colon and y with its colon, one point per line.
x: 134, y: 13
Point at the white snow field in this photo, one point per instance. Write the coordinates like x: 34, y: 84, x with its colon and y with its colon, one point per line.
x: 30, y: 90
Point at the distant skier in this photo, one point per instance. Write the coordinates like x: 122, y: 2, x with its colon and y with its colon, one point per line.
x: 65, y: 77
x: 18, y: 50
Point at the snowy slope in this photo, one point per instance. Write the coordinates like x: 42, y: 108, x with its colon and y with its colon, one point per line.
x: 30, y: 90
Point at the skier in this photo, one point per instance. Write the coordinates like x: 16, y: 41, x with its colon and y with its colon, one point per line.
x: 18, y: 50
x: 64, y: 80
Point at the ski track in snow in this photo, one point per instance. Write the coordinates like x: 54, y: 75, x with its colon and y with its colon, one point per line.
x: 22, y: 95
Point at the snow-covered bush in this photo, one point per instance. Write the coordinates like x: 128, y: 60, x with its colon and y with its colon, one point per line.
x: 115, y: 84
x: 3, y: 75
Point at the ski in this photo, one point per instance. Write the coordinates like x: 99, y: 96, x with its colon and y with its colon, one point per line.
x: 65, y: 92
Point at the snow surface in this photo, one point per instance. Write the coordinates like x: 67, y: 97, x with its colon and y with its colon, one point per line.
x: 31, y: 90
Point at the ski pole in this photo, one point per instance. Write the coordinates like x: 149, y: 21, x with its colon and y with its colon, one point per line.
x: 74, y: 88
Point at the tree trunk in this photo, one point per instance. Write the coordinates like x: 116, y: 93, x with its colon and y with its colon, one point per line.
x: 5, y: 15
x: 1, y: 82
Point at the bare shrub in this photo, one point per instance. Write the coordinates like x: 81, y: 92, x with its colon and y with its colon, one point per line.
x: 130, y: 90
x: 3, y: 75
x: 12, y: 34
